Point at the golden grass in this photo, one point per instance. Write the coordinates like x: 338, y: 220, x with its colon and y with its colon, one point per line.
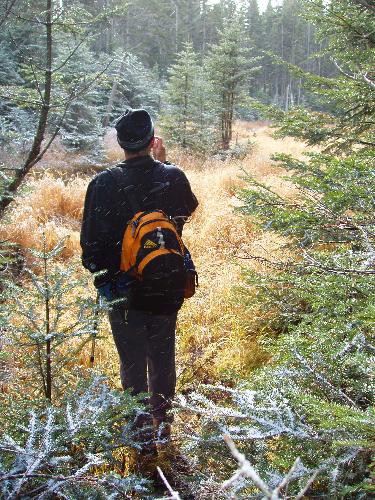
x: 216, y: 333
x: 52, y: 207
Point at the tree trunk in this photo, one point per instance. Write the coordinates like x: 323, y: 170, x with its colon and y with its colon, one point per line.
x: 112, y: 96
x: 286, y: 103
x: 48, y: 386
x: 204, y: 26
x: 35, y: 153
x: 176, y: 13
x: 227, y: 118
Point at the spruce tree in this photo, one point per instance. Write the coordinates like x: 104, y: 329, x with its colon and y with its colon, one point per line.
x: 51, y: 321
x: 229, y: 68
x: 81, y: 128
x: 132, y: 85
x: 254, y: 23
x: 187, y: 120
x: 60, y: 420
x: 315, y: 397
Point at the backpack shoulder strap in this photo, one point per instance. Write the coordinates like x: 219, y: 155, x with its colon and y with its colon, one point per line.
x: 128, y: 190
x: 153, y: 196
x: 158, y: 187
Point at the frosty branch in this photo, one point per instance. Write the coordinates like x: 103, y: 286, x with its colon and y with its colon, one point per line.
x: 247, y: 470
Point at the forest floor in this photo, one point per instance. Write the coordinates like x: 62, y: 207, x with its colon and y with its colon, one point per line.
x: 217, y: 335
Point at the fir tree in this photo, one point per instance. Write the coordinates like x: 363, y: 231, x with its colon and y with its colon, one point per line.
x: 188, y: 120
x: 62, y: 422
x: 314, y: 400
x: 254, y: 23
x: 132, y: 85
x: 72, y: 450
x: 48, y: 313
x: 229, y: 69
x: 81, y: 127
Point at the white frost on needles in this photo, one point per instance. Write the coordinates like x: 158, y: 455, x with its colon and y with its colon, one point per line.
x: 247, y: 470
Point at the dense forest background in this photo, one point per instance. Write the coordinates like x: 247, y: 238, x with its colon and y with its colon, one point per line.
x: 271, y: 116
x: 113, y: 54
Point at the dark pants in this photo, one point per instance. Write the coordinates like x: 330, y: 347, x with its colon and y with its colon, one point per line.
x: 146, y: 346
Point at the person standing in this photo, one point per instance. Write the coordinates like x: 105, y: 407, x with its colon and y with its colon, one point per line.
x: 144, y: 329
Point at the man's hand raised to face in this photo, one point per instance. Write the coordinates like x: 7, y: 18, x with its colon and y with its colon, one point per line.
x: 158, y: 149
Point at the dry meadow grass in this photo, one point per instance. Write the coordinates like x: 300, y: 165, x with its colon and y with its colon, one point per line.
x: 217, y: 335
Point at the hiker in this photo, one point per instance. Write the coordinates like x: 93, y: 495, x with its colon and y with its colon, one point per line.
x: 143, y: 325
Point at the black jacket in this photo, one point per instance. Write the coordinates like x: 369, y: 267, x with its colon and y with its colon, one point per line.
x: 107, y: 211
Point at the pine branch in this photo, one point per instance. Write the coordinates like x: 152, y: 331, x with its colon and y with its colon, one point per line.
x: 73, y: 478
x: 322, y: 380
x: 332, y: 270
x: 247, y: 470
x: 312, y: 263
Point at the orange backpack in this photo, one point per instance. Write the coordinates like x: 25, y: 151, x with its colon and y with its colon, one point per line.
x: 149, y: 235
x: 153, y: 253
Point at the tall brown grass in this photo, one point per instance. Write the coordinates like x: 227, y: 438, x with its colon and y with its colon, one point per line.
x: 51, y: 207
x: 217, y: 335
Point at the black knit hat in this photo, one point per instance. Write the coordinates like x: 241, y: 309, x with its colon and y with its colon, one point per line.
x: 134, y: 129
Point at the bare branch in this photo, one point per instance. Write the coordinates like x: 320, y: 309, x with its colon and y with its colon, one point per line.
x: 263, y: 260
x: 71, y: 54
x: 302, y: 493
x: 355, y: 76
x: 73, y: 96
x: 348, y: 75
x: 336, y: 270
x: 368, y: 81
x: 365, y: 143
x: 174, y: 494
x: 312, y: 263
x: 8, y: 10
x: 287, y: 478
x: 52, y: 138
x: 245, y: 469
x: 37, y: 84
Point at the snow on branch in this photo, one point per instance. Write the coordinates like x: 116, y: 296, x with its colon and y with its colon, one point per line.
x: 57, y: 449
x: 266, y: 415
x: 247, y: 470
x: 322, y: 380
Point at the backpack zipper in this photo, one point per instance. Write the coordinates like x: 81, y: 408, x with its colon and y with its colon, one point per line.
x: 149, y: 222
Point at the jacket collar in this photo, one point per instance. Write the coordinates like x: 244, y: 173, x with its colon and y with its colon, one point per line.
x: 139, y: 161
